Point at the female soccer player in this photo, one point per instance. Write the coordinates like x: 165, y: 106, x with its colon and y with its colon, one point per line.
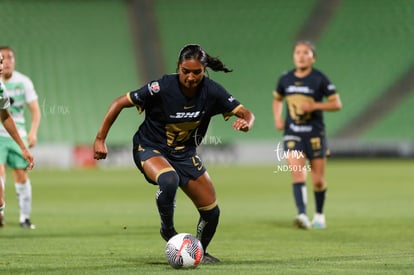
x: 9, y: 125
x: 178, y: 108
x: 304, y: 131
x: 20, y: 88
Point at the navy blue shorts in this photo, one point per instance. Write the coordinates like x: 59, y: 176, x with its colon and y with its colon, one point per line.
x: 313, y: 146
x: 187, y: 167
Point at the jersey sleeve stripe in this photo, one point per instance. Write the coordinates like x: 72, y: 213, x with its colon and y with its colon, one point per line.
x: 333, y: 96
x: 232, y: 113
x: 129, y: 98
x: 277, y: 96
x: 128, y: 95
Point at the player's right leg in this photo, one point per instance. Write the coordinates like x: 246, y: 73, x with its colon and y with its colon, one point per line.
x: 158, y: 170
x: 297, y: 162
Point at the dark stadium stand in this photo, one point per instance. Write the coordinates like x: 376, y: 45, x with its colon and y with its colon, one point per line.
x: 397, y: 126
x: 79, y: 56
x: 254, y: 40
x: 363, y: 51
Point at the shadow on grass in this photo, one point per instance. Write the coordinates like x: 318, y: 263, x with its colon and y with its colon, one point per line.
x: 13, y: 231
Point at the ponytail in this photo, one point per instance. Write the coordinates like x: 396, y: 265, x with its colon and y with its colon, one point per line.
x: 194, y: 51
x: 216, y: 65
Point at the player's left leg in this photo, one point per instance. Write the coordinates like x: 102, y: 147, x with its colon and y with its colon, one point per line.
x: 319, y: 188
x: 24, y: 197
x: 201, y: 191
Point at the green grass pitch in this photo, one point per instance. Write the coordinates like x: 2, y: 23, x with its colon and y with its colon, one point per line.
x: 105, y: 222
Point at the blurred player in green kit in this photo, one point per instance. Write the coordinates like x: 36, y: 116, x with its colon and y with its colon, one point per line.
x: 20, y: 90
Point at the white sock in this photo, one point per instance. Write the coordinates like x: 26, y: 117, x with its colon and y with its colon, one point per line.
x: 2, y: 181
x: 24, y: 196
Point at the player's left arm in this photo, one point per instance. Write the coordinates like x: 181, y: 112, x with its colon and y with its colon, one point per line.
x: 245, y: 119
x: 36, y: 115
x: 333, y: 103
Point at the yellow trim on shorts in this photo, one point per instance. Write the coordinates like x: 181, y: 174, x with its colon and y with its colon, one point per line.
x: 208, y: 207
x: 162, y: 171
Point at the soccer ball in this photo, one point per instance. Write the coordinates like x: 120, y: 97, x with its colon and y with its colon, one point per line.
x: 184, y: 251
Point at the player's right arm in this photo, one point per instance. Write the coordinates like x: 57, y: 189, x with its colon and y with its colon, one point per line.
x: 11, y: 128
x: 277, y: 111
x: 99, y: 146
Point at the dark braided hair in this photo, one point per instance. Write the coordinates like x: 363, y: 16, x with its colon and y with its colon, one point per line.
x: 194, y: 51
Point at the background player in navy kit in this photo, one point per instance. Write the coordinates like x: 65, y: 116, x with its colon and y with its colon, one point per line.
x: 178, y: 109
x: 304, y: 138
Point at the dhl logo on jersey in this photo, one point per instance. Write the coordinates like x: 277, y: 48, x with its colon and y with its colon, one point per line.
x: 186, y: 115
x: 299, y: 89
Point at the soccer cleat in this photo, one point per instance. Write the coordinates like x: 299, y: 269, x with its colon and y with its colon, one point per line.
x: 208, y: 259
x: 27, y: 224
x: 168, y: 234
x: 318, y: 221
x: 302, y: 221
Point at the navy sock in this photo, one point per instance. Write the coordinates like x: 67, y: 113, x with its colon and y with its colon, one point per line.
x: 320, y: 200
x: 165, y: 198
x: 207, y: 225
x: 299, y: 193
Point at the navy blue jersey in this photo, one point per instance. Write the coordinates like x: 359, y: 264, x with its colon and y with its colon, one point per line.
x: 174, y: 122
x: 311, y: 88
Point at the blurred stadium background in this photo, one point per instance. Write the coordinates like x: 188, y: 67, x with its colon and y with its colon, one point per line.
x: 82, y: 54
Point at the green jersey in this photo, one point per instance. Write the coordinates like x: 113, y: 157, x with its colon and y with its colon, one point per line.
x: 19, y: 88
x: 4, y: 101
